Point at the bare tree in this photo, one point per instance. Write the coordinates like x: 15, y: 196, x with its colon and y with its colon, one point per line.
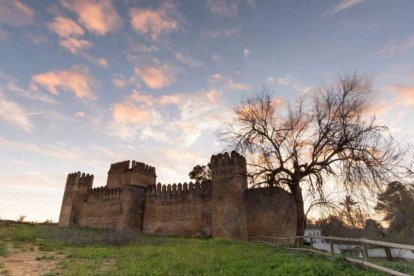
x: 327, y: 135
x: 324, y: 203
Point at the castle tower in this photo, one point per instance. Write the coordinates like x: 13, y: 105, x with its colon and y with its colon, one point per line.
x: 229, y: 181
x: 76, y: 185
x: 138, y: 173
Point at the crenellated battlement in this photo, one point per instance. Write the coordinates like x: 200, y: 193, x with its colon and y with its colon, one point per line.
x: 223, y: 159
x: 179, y: 192
x: 127, y: 165
x: 178, y: 187
x: 103, y: 190
x: 120, y: 166
x: 86, y: 180
x: 82, y: 179
x: 143, y: 168
x: 97, y: 194
x: 130, y: 173
x: 72, y: 178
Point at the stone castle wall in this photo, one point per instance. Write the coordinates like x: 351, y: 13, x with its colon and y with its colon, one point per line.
x: 178, y: 210
x: 101, y: 208
x: 222, y: 207
x: 270, y: 212
x: 130, y: 173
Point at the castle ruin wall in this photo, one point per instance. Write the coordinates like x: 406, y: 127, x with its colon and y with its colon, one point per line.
x: 223, y: 207
x: 178, y: 210
x: 270, y: 212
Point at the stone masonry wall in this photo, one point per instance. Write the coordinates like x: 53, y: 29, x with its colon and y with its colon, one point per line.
x: 130, y: 173
x: 178, y: 210
x: 222, y: 207
x: 101, y: 208
x: 270, y: 212
x: 229, y: 178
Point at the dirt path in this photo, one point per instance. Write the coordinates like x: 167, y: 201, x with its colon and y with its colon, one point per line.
x: 30, y: 262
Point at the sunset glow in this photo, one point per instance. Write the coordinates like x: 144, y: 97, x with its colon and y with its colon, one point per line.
x: 86, y: 83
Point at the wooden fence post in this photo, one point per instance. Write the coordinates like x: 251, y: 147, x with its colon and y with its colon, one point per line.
x: 311, y: 242
x: 364, y: 251
x: 332, y: 248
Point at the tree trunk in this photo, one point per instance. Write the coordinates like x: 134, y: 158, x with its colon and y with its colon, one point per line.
x: 300, y: 212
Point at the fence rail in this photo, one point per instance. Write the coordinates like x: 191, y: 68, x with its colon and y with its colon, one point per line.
x: 361, y: 241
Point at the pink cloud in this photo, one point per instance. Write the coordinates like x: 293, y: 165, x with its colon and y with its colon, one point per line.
x: 156, y: 77
x: 144, y: 116
x: 15, y: 13
x: 153, y: 23
x: 226, y: 82
x: 405, y: 94
x: 69, y: 33
x: 77, y: 80
x: 124, y: 113
x: 80, y: 114
x: 99, y: 17
x: 74, y: 45
x: 65, y: 27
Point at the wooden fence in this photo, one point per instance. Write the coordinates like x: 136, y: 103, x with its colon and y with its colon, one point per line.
x: 363, y: 243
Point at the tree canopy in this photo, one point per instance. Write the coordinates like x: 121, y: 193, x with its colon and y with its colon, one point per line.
x: 326, y: 134
x: 396, y: 203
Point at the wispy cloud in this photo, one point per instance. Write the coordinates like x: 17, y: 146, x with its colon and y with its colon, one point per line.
x: 15, y: 13
x: 227, y: 32
x: 99, y: 17
x: 396, y: 48
x: 154, y: 23
x: 66, y: 27
x: 223, y: 8
x: 343, y: 5
x: 77, y: 80
x: 405, y: 94
x: 14, y: 114
x: 11, y: 85
x: 74, y: 45
x: 226, y: 83
x: 288, y: 81
x: 192, y: 62
x: 146, y: 116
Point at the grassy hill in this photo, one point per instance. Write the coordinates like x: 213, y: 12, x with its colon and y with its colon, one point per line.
x: 49, y: 250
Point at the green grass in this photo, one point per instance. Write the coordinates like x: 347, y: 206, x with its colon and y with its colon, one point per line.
x: 87, y: 253
x: 397, y: 265
x: 3, y: 250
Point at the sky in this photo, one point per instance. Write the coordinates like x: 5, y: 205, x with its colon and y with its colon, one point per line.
x: 86, y: 83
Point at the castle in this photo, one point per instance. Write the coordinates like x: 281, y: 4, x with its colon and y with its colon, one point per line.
x: 221, y: 207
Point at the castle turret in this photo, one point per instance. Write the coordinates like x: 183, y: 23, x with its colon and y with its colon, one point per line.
x: 229, y: 181
x: 77, y: 185
x: 131, y: 173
